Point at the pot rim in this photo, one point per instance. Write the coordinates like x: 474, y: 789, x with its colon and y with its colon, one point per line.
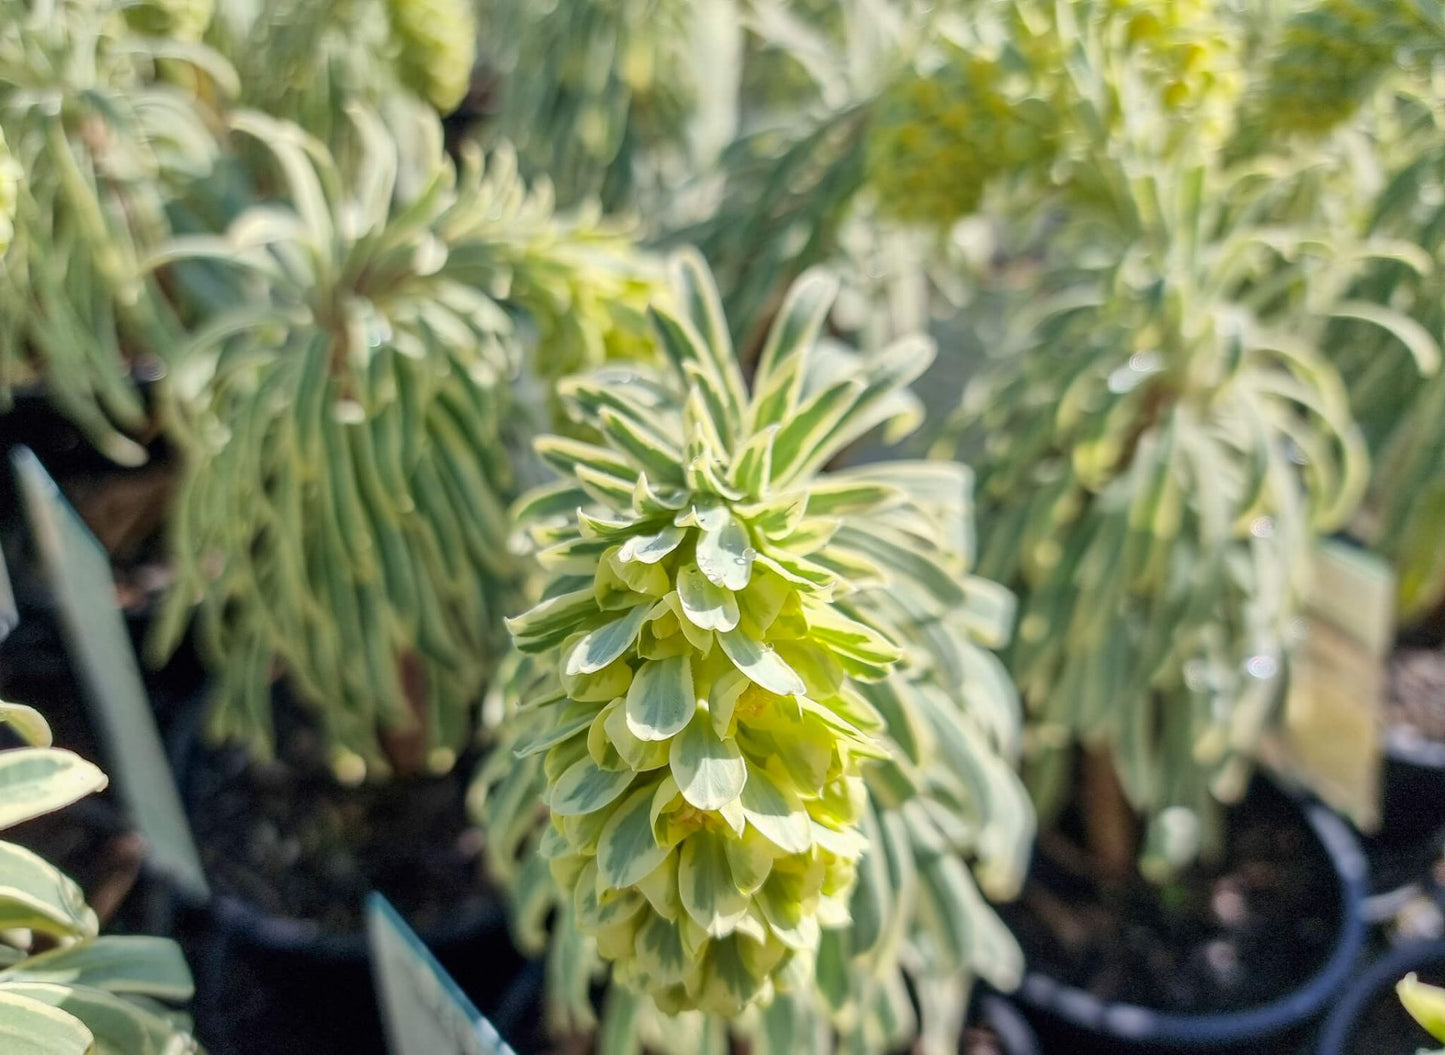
x: 1132, y: 1024
x: 481, y: 913
x: 1379, y: 976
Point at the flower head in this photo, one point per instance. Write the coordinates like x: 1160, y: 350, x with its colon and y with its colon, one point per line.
x: 704, y: 731
x: 438, y: 42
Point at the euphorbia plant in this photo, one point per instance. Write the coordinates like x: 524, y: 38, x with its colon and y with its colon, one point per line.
x: 1157, y: 458
x: 350, y: 406
x: 307, y: 61
x: 1163, y: 446
x: 597, y: 95
x: 65, y: 990
x: 757, y: 704
x: 102, y: 144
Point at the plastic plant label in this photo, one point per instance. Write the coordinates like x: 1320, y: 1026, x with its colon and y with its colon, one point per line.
x: 423, y: 1009
x: 79, y: 573
x: 1354, y: 590
x: 1331, y: 726
x: 1337, y: 676
x: 9, y: 613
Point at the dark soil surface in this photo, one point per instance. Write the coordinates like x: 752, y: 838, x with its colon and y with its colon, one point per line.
x: 285, y: 837
x: 1234, y: 935
x: 1416, y: 698
x: 1386, y: 1028
x: 91, y: 840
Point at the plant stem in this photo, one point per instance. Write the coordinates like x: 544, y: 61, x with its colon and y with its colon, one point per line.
x: 1111, y: 828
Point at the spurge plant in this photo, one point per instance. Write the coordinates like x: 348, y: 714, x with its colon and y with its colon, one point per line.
x: 709, y: 726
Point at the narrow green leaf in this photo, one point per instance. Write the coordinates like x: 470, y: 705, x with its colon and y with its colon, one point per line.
x: 130, y: 964
x: 36, y: 895
x: 120, y: 1027
x: 781, y: 364
x: 551, y: 621
x: 1417, y: 340
x: 568, y: 456
x: 698, y: 295
x: 653, y: 454
x: 804, y: 431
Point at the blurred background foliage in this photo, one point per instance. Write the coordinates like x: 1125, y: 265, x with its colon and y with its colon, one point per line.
x: 338, y: 256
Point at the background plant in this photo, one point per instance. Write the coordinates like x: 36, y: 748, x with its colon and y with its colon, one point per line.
x: 1390, y: 352
x: 65, y: 990
x: 306, y: 60
x: 675, y: 621
x: 1163, y: 438
x: 1156, y: 459
x: 352, y: 421
x: 600, y: 97
x: 101, y: 141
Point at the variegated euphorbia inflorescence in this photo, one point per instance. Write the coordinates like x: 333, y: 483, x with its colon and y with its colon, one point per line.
x: 705, y: 733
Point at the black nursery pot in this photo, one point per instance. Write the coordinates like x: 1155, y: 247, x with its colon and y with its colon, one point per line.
x: 267, y: 984
x: 1071, y: 1019
x: 1411, y: 833
x: 1368, y: 1018
x: 1006, y: 1022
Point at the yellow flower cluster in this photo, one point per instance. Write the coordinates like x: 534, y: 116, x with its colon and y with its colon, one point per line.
x: 1191, y: 54
x: 937, y: 140
x: 1328, y: 58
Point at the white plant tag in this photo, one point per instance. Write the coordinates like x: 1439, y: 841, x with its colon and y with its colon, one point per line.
x: 423, y: 1009
x: 79, y: 573
x: 1331, y: 737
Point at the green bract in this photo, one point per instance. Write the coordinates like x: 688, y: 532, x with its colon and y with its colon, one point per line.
x: 350, y: 405
x: 84, y: 993
x: 724, y: 666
